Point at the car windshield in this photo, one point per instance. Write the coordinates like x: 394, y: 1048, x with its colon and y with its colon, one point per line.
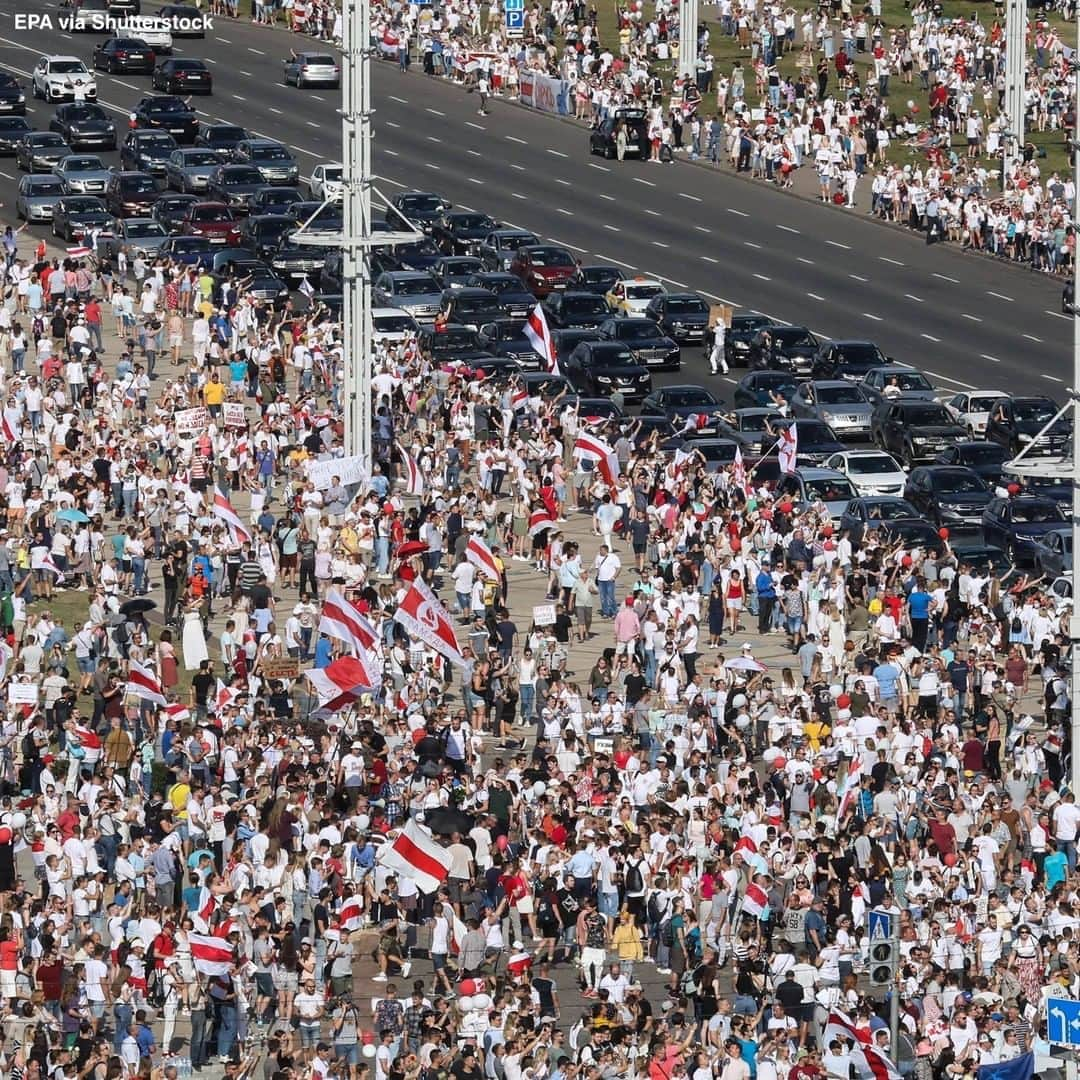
x: 543, y: 256
x: 14, y: 123
x: 599, y: 276
x: 466, y: 221
x: 716, y: 451
x: 68, y: 67
x: 320, y: 61
x: 638, y: 331
x: 643, y: 292
x: 414, y: 286
x: 1036, y: 512
x: 188, y: 65
x: 46, y: 185
x: 420, y: 247
x: 680, y: 399
x: 893, y: 510
x: 585, y: 305
x: 393, y: 324
x: 422, y: 204
x: 461, y: 267
x: 793, y: 336
x: 241, y: 176
x: 211, y: 213
x: 184, y: 243
x: 755, y: 421
x: 857, y: 352
x: 910, y: 380
x: 90, y: 164
x: 47, y: 138
x: 270, y: 153
x: 478, y: 305
x: 144, y: 229
x: 136, y: 184
x: 872, y: 465
x: 829, y: 490
x: 680, y: 306
x: 199, y: 157
x: 985, y: 454
x: 926, y: 416
x: 956, y: 483
x: 167, y: 104
x: 840, y: 395
x: 811, y: 431
x: 771, y: 380
x: 226, y: 134
x: 1033, y: 412
x: 82, y: 206
x: 453, y: 339
x: 83, y: 113
x: 332, y: 173
x: 156, y: 141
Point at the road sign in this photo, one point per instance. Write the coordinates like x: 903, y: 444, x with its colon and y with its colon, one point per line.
x: 1063, y: 1021
x: 515, y: 21
x: 879, y: 924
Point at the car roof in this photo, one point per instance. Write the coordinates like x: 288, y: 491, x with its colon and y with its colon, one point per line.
x: 386, y: 312
x: 808, y: 472
x: 472, y: 291
x: 893, y: 369
x: 825, y: 383
x: 640, y: 281
x: 62, y: 56
x: 681, y: 386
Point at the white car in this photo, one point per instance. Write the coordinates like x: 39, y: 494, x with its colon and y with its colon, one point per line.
x: 871, y: 472
x: 972, y: 409
x: 157, y: 33
x: 63, y: 78
x: 325, y: 183
x: 631, y: 296
x: 392, y: 324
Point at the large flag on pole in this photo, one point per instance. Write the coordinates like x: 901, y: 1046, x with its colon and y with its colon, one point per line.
x: 870, y: 1063
x: 788, y: 449
x: 142, y: 682
x: 480, y: 555
x: 424, y: 618
x: 414, y: 476
x: 539, y: 335
x: 224, y: 510
x: 211, y: 954
x: 607, y: 461
x: 351, y: 915
x: 756, y: 901
x: 415, y: 854
x: 343, y: 682
x: 340, y: 619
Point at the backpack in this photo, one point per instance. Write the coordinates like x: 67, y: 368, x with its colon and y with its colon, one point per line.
x: 1016, y: 626
x: 633, y: 880
x: 653, y: 909
x: 667, y: 935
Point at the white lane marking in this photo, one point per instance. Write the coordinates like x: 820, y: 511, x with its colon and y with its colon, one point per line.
x: 520, y: 168
x: 949, y: 378
x: 805, y: 262
x: 7, y: 176
x: 277, y: 112
x: 567, y: 213
x: 856, y: 277
x: 1000, y: 296
x: 257, y: 52
x: 311, y: 123
x: 518, y: 195
x: 1032, y: 337
x: 836, y: 243
x: 894, y: 262
x: 670, y: 281
x: 787, y: 228
x: 318, y: 97
x: 565, y: 183
x: 237, y: 97
x: 710, y: 259
x: 130, y: 86
x: 612, y: 228
x: 660, y: 244
x: 432, y: 165
x: 1053, y: 378
x: 917, y: 299
x: 930, y: 337
x: 701, y: 228
x: 992, y: 359
x: 513, y: 138
x: 719, y: 299
x: 572, y: 247
x: 435, y: 112
x: 208, y: 60
x: 617, y: 262
x: 557, y: 153
x: 473, y: 180
x: 652, y: 213
x: 1058, y: 315
x: 970, y: 318
x: 945, y: 277
x: 431, y: 138
x: 399, y: 100
x: 602, y: 168
x: 474, y: 153
x: 762, y: 277
x: 392, y: 153
x: 737, y: 213
x: 387, y: 180
x: 692, y: 198
x: 647, y: 183
x: 751, y: 244
x: 609, y: 198
x: 479, y: 127
x: 814, y: 296
x: 389, y: 123
x: 68, y: 36
x: 247, y: 73
x: 226, y: 40
x: 822, y: 334
x: 876, y: 318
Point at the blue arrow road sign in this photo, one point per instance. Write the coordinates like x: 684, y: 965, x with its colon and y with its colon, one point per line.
x: 879, y: 926
x: 513, y: 5
x: 1063, y: 1021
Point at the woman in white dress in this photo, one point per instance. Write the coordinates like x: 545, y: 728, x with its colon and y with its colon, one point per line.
x: 267, y: 559
x: 195, y: 651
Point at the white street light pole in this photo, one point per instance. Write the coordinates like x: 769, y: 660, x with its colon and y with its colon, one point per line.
x: 1074, y: 620
x: 1015, y: 39
x: 688, y: 27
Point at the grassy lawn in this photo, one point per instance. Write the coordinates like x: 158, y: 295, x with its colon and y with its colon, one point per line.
x: 895, y: 14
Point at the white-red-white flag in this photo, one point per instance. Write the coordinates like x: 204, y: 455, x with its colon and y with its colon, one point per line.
x: 224, y: 510
x: 738, y: 473
x: 423, y: 617
x: 204, y: 908
x: 539, y: 335
x: 211, y: 955
x: 414, y: 475
x: 414, y: 854
x: 90, y: 741
x: 79, y: 252
x: 539, y: 520
x: 224, y: 696
x: 341, y: 620
x: 11, y: 420
x: 788, y: 448
x: 343, y: 682
x: 519, y: 398
x: 178, y: 712
x: 144, y: 684
x: 480, y: 555
x: 351, y: 915
x: 870, y: 1063
x: 595, y: 449
x: 756, y: 901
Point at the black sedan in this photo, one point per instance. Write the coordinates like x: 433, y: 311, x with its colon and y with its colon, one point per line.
x: 185, y: 21
x: 682, y: 316
x: 172, y: 114
x: 74, y: 215
x: 179, y: 75
x: 84, y: 125
x: 950, y: 495
x: 607, y: 367
x: 790, y: 348
x: 264, y: 233
x: 461, y: 232
x: 273, y: 199
x: 171, y: 210
x: 847, y: 360
x: 221, y: 138
x: 12, y: 95
x: 891, y: 518
x: 41, y: 151
x: 1018, y: 524
x: 124, y: 54
x: 576, y: 310
x: 13, y: 129
x: 420, y: 209
x: 515, y: 300
x: 596, y: 278
x: 645, y: 339
x: 985, y: 458
x: 691, y: 409
x: 738, y: 337
x: 764, y: 388
x: 235, y: 185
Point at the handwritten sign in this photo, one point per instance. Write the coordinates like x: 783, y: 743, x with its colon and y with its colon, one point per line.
x: 543, y: 615
x: 280, y: 667
x: 234, y: 414
x: 191, y: 421
x: 350, y: 470
x: 22, y: 693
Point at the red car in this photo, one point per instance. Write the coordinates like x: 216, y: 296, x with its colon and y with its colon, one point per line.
x: 544, y: 268
x: 213, y: 220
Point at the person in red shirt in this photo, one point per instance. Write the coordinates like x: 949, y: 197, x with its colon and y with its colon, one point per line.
x: 9, y: 962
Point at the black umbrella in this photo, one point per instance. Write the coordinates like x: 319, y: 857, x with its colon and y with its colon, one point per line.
x: 137, y: 606
x: 445, y: 820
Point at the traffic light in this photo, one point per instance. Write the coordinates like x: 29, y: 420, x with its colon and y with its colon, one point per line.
x: 883, y: 958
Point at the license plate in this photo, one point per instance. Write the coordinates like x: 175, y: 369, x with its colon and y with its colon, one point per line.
x: 177, y: 131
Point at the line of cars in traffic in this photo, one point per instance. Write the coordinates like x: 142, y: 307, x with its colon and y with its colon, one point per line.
x: 882, y: 446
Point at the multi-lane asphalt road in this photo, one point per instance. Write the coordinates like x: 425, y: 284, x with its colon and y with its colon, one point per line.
x: 966, y: 320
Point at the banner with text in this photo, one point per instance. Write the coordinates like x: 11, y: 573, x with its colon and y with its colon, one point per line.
x: 350, y: 470
x: 191, y: 421
x: 544, y: 93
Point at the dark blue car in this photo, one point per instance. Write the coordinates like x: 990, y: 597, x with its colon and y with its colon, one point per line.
x: 758, y: 387
x: 1017, y: 524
